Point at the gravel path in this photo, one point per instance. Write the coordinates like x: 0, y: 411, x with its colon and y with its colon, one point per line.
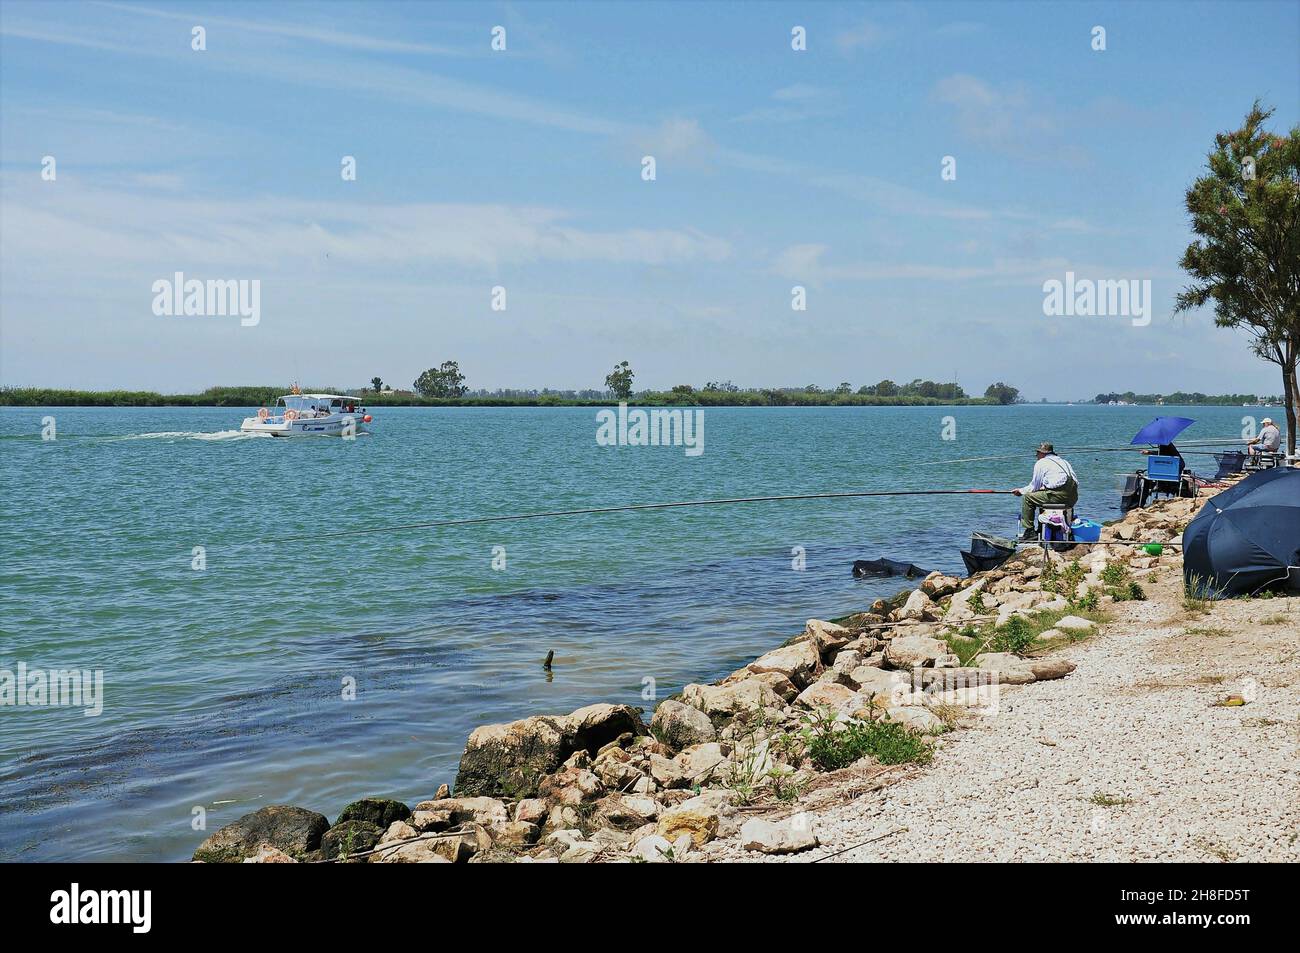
x: 1127, y: 759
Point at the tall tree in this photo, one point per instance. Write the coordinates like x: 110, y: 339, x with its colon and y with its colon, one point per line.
x: 445, y: 381
x: 1246, y: 212
x: 620, y: 381
x: 1003, y: 393
x: 377, y: 384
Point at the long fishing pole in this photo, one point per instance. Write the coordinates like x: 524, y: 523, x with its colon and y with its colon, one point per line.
x: 1023, y: 454
x: 634, y: 506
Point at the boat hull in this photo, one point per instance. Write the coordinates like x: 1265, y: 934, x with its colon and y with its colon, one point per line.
x: 335, y: 425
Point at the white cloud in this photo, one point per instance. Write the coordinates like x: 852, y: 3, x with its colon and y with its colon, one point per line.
x: 1007, y: 119
x: 864, y: 36
x: 87, y: 228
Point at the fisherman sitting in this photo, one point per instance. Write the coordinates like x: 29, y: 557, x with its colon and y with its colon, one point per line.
x: 1053, y: 482
x: 1269, y: 439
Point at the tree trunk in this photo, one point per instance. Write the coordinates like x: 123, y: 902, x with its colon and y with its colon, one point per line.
x: 1292, y: 395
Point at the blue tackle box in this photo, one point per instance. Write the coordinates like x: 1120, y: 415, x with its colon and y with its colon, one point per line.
x: 1163, y: 468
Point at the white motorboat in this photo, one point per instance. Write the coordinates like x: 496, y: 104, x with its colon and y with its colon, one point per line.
x: 310, y: 415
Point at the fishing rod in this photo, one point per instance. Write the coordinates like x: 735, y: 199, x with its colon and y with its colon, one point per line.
x: 635, y: 506
x: 1022, y: 454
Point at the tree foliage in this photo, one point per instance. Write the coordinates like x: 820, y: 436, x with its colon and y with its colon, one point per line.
x: 445, y: 381
x: 1002, y: 393
x: 1245, y: 260
x: 619, y: 380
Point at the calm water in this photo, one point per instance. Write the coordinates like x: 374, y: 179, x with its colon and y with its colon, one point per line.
x: 223, y: 687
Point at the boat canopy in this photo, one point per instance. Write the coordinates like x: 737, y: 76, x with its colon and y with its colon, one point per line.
x: 313, y: 401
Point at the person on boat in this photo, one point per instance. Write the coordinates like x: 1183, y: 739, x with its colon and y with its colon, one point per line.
x: 1269, y: 439
x: 1053, y: 482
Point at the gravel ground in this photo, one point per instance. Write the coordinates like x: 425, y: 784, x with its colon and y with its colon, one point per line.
x: 1126, y: 759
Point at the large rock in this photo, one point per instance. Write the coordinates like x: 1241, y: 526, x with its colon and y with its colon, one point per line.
x: 878, y: 681
x: 696, y: 817
x: 800, y: 663
x: 511, y: 759
x: 723, y: 702
x: 776, y: 838
x: 915, y: 717
x: 783, y: 687
x: 913, y: 651
x: 653, y: 849
x: 826, y: 636
x: 827, y: 694
x: 680, y: 726
x: 348, y: 838
x: 411, y: 852
x: 918, y: 607
x: 266, y: 854
x: 449, y: 812
x: 292, y: 830
x: 572, y: 786
x: 937, y: 585
x: 626, y: 811
x: 1074, y: 623
x: 959, y: 609
x: 700, y: 762
x: 380, y: 811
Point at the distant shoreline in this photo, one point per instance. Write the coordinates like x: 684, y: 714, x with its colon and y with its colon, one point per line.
x: 254, y: 397
x: 41, y: 397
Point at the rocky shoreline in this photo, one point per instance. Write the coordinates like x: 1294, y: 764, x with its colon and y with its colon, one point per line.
x: 740, y: 760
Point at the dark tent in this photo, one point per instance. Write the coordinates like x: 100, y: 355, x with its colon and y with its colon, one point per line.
x: 1246, y: 538
x: 887, y: 567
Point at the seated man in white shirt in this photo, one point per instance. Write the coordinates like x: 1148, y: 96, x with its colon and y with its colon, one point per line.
x: 1053, y: 482
x: 1269, y: 439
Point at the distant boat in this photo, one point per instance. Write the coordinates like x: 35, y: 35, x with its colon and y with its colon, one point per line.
x: 309, y: 415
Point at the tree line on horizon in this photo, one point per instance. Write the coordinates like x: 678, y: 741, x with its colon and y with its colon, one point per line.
x: 1186, y: 399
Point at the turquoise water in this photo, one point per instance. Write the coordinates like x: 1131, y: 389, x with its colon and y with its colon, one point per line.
x: 223, y: 687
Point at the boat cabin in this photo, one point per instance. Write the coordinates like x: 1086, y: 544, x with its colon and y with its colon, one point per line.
x: 317, y: 405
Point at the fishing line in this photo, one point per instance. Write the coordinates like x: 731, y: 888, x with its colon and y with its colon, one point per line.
x: 397, y: 527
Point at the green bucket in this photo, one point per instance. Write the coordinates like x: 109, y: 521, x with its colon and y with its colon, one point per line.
x: 1153, y: 549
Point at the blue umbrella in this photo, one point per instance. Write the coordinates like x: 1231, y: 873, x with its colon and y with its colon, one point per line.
x: 1163, y: 430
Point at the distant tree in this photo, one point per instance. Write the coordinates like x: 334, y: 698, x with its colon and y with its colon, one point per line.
x: 446, y: 381
x: 1246, y: 258
x: 844, y: 388
x: 812, y: 389
x: 726, y: 387
x: 885, y: 388
x: 1003, y: 393
x: 620, y: 381
x: 376, y: 384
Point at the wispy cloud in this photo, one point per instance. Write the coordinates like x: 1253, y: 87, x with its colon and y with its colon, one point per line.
x: 1007, y: 119
x: 346, y: 40
x: 72, y: 223
x: 864, y: 36
x: 793, y: 103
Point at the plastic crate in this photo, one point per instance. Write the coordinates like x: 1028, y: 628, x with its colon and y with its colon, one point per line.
x: 1163, y: 468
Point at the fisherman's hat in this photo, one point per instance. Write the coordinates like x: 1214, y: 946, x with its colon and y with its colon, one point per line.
x: 1046, y: 447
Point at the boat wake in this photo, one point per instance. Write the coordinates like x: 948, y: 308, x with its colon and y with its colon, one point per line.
x: 195, y: 435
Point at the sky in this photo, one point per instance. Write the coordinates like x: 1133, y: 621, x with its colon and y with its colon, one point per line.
x: 523, y: 169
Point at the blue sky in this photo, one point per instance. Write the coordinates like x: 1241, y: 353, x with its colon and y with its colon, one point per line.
x: 522, y: 168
